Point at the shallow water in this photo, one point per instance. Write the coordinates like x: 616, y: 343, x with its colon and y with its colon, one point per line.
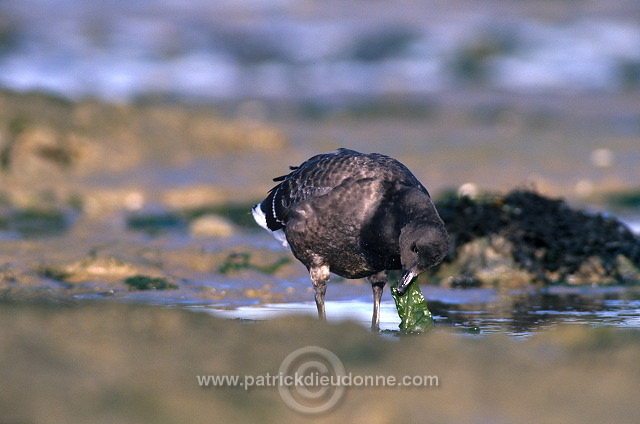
x: 249, y: 294
x: 517, y: 313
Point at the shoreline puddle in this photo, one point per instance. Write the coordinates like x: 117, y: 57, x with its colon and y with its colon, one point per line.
x: 516, y: 313
x: 341, y: 310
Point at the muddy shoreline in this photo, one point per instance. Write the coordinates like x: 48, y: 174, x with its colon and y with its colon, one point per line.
x: 93, y: 193
x: 115, y: 363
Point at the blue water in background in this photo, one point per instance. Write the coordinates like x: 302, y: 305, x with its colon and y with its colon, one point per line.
x: 287, y: 49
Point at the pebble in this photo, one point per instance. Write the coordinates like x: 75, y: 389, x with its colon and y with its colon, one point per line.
x: 211, y: 226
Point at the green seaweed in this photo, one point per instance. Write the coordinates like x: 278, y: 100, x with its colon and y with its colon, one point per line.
x: 240, y: 261
x: 54, y: 273
x: 415, y: 317
x: 629, y: 199
x: 143, y: 282
x: 37, y: 222
x: 155, y: 223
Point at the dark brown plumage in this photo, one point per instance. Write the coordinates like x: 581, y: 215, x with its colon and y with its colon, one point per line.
x: 356, y: 215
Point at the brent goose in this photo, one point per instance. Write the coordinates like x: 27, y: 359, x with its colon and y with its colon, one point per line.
x: 356, y: 215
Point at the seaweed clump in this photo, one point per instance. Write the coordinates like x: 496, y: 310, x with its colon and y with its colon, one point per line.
x: 240, y: 261
x: 544, y: 238
x: 143, y: 282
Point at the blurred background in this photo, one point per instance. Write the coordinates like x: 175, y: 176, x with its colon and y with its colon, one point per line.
x: 136, y: 135
x: 317, y: 51
x: 489, y: 95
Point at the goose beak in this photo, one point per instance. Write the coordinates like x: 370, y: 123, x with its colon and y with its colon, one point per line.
x: 406, y: 279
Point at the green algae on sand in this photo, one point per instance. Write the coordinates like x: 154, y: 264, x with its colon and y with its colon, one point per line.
x: 143, y: 282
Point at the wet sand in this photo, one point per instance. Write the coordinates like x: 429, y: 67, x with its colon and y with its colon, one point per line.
x: 102, y: 363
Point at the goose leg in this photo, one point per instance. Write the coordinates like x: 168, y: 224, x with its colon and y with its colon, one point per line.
x: 377, y: 284
x: 319, y: 277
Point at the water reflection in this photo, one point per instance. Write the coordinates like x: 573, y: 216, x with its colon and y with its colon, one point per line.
x: 522, y: 312
x: 517, y: 313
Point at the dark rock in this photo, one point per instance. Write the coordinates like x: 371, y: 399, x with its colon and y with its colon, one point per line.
x: 545, y: 237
